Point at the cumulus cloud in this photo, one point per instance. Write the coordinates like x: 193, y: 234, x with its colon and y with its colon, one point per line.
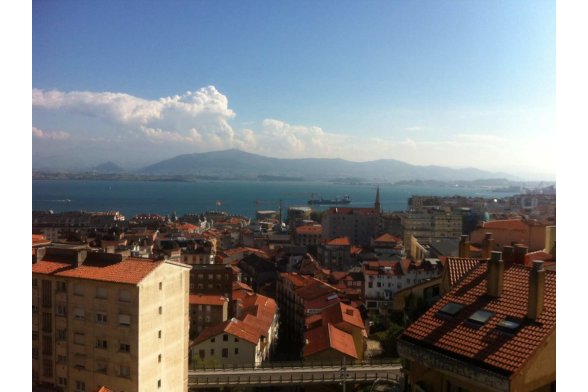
x: 59, y: 135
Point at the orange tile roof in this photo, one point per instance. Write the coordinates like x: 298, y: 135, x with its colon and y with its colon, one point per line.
x: 309, y: 230
x: 130, y: 270
x: 485, y: 346
x: 201, y: 299
x: 329, y: 337
x: 343, y: 313
x: 386, y: 237
x: 39, y: 239
x: 458, y: 267
x: 339, y: 241
x: 506, y: 224
x: 233, y: 327
x: 104, y: 389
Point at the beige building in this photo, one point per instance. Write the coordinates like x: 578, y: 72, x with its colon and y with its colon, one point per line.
x: 429, y: 225
x: 105, y: 320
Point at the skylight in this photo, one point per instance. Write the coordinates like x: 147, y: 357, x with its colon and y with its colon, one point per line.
x: 451, y: 309
x: 481, y: 316
x: 509, y: 325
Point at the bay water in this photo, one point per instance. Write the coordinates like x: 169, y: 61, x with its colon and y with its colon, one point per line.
x: 235, y: 197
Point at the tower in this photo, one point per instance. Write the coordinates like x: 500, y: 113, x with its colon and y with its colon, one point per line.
x: 377, y: 205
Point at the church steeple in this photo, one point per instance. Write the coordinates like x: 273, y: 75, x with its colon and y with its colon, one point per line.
x: 377, y: 205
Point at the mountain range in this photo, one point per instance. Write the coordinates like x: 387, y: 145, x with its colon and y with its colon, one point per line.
x: 239, y: 164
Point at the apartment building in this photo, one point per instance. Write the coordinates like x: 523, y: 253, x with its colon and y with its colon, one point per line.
x: 106, y: 320
x: 430, y: 224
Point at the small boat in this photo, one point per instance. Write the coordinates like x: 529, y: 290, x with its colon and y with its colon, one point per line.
x: 338, y: 200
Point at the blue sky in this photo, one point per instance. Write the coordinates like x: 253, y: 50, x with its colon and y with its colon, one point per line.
x: 452, y: 83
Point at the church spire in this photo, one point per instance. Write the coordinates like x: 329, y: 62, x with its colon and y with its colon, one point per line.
x: 377, y: 205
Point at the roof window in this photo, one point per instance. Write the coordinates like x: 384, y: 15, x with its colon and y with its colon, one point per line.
x: 509, y: 324
x: 451, y: 309
x: 481, y: 316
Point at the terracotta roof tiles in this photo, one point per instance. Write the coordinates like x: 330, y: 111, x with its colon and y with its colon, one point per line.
x: 484, y: 344
x: 129, y: 270
x: 458, y: 267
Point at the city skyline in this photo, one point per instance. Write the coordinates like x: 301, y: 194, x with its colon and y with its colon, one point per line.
x: 451, y: 84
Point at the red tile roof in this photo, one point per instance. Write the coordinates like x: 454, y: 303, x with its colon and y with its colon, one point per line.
x: 233, y: 327
x: 201, y: 299
x: 130, y: 270
x: 104, y: 389
x: 343, y: 313
x: 458, y: 267
x: 339, y: 241
x: 309, y: 230
x: 506, y: 224
x: 386, y: 237
x: 39, y: 239
x: 484, y: 345
x: 329, y: 337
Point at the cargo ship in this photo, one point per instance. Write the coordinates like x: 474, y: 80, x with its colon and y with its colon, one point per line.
x: 343, y: 200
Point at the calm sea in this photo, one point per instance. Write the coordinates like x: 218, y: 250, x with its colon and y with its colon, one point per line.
x: 236, y: 197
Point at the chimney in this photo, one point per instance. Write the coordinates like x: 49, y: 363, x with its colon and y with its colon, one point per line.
x: 508, y: 254
x: 487, y: 244
x: 519, y: 254
x: 464, y: 246
x: 495, y: 275
x: 39, y: 254
x: 238, y: 307
x: 549, y: 238
x: 536, y: 290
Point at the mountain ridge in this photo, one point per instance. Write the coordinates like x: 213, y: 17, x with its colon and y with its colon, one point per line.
x: 237, y: 163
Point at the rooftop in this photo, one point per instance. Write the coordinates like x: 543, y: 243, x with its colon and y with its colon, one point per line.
x: 486, y: 343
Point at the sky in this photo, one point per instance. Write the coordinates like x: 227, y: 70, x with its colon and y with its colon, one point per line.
x: 450, y: 83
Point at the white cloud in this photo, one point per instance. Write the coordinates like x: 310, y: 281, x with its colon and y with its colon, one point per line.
x: 58, y: 135
x: 199, y: 121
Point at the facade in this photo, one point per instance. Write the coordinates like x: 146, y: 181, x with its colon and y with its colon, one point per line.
x: 493, y: 331
x: 308, y: 235
x: 248, y: 338
x: 335, y: 253
x: 105, y: 320
x: 360, y: 225
x: 207, y: 310
x: 430, y: 224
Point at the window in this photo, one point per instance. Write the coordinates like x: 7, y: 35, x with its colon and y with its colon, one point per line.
x: 79, y: 313
x: 201, y: 354
x: 61, y: 359
x: 370, y: 285
x: 124, y: 320
x: 101, y: 343
x: 61, y: 287
x: 225, y: 338
x: 212, y: 340
x: 159, y: 334
x: 62, y: 381
x: 160, y: 285
x: 159, y: 358
x: 225, y: 353
x: 212, y: 351
x: 79, y: 338
x: 125, y: 371
x: 47, y: 322
x: 80, y: 361
x: 481, y: 316
x: 34, y: 282
x: 80, y: 386
x: 46, y: 294
x: 451, y: 309
x: 236, y: 350
x: 61, y: 334
x: 101, y: 367
x: 78, y: 289
x: 101, y: 317
x: 47, y: 368
x: 158, y: 383
x: 236, y: 340
x: 47, y: 345
x: 124, y: 296
x: 61, y: 310
x: 101, y: 293
x: 124, y: 348
x: 160, y: 310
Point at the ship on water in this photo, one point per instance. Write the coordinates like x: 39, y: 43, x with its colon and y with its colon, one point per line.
x: 338, y: 200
